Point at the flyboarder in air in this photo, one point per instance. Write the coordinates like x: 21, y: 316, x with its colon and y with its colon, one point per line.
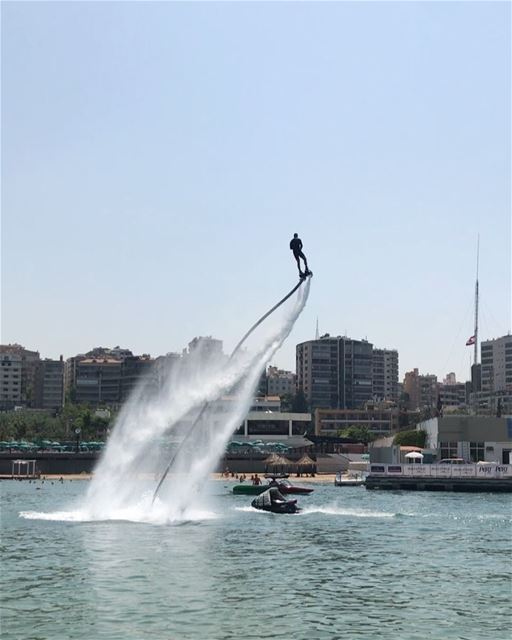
x: 296, y: 247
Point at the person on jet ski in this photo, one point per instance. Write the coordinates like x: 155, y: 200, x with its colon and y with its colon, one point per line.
x: 296, y: 247
x: 276, y: 495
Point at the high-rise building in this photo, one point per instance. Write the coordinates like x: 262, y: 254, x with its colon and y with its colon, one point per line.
x: 420, y: 389
x: 49, y: 384
x: 385, y: 374
x: 496, y: 359
x: 335, y: 372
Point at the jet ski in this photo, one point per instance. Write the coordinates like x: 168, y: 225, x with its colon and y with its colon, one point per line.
x: 273, y: 500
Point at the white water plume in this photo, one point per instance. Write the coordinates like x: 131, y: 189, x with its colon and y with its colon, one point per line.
x: 158, y: 417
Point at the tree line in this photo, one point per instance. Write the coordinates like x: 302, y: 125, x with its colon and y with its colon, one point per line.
x: 38, y: 425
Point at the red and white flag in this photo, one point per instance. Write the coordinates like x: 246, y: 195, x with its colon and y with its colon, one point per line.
x: 470, y: 341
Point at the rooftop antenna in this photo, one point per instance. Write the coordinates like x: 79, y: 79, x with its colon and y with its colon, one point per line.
x: 475, y: 357
x: 317, y: 335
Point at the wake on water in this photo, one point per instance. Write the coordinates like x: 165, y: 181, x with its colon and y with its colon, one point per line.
x: 156, y: 416
x: 332, y: 510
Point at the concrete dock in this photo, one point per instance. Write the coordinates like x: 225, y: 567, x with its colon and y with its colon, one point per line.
x: 427, y: 477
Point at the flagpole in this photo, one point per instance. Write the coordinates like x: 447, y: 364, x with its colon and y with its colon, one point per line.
x: 475, y: 357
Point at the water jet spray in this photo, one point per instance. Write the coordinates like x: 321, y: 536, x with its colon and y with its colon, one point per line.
x: 234, y: 352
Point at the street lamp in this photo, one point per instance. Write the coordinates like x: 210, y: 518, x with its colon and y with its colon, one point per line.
x: 77, y: 432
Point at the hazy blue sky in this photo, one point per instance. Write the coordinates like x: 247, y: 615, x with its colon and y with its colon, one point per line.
x: 157, y: 158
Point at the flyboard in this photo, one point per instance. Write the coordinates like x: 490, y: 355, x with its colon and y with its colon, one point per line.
x: 302, y: 279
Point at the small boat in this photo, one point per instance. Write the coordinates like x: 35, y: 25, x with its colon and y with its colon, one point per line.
x: 349, y: 480
x: 285, y: 486
x: 248, y: 489
x: 274, y: 501
x: 275, y: 480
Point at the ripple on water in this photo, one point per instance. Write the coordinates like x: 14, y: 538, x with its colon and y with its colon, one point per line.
x: 353, y: 564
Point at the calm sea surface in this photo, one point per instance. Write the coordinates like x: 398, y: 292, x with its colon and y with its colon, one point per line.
x: 354, y: 564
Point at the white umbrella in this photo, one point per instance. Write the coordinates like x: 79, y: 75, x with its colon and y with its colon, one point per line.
x: 414, y: 455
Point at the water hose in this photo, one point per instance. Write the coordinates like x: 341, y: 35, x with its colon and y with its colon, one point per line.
x: 205, y: 406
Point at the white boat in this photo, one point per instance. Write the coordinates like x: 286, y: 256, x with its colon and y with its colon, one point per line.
x: 350, y: 479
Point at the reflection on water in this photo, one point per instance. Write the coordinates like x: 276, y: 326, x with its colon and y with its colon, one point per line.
x: 352, y: 564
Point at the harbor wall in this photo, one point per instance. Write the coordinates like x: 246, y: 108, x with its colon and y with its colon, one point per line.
x: 448, y: 477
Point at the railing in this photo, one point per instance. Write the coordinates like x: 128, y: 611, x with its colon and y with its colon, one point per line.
x: 443, y: 470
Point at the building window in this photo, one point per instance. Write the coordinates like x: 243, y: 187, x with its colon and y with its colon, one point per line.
x: 448, y: 450
x: 477, y: 451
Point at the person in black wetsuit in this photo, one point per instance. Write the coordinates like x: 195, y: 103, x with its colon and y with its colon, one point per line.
x: 296, y: 247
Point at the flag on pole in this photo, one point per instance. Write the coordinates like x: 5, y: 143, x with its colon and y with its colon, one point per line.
x: 470, y: 341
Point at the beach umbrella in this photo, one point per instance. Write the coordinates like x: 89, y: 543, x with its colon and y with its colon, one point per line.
x: 414, y: 456
x: 306, y: 463
x: 277, y: 462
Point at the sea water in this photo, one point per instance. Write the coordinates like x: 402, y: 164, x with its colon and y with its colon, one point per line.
x: 352, y: 564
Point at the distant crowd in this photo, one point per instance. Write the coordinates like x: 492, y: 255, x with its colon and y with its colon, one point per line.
x: 255, y: 479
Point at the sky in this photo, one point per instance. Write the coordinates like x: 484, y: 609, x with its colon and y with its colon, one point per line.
x: 158, y: 157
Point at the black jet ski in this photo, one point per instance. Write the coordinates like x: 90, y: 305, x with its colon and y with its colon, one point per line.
x: 273, y: 500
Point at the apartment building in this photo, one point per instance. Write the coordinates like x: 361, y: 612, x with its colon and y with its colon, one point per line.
x: 385, y: 374
x: 335, y: 372
x: 210, y: 347
x: 421, y: 390
x: 280, y: 382
x: 108, y: 376
x: 28, y: 362
x: 496, y: 361
x: 49, y: 384
x: 10, y: 383
x: 98, y: 381
x: 453, y: 395
x: 133, y: 370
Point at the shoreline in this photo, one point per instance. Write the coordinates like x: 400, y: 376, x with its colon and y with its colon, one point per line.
x: 323, y: 478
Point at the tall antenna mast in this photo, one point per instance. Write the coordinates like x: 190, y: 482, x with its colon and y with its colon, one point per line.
x: 475, y: 358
